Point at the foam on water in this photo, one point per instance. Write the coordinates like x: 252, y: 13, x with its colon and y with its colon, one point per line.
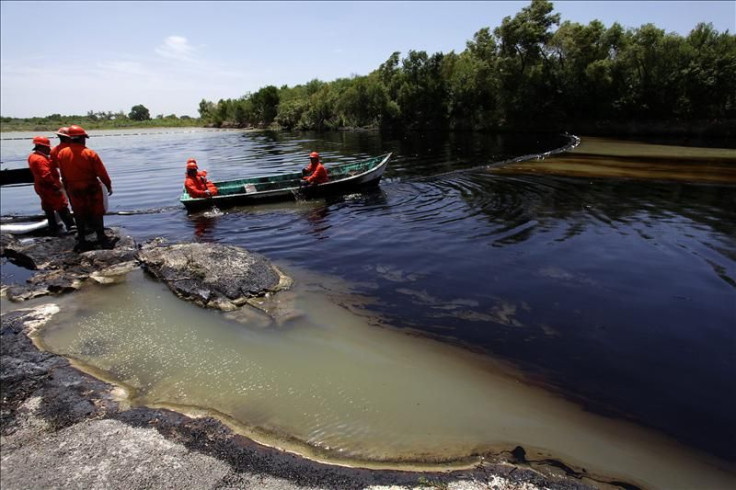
x: 332, y: 385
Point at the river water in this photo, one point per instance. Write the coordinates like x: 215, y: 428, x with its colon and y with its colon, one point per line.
x: 471, y: 304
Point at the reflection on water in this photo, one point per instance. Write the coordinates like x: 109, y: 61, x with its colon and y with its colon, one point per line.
x: 330, y: 385
x: 205, y: 223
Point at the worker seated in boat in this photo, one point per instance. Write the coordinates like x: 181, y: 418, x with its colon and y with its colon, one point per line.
x: 196, y: 182
x: 315, y: 172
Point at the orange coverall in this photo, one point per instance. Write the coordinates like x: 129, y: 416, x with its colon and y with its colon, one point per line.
x: 199, y: 185
x: 46, y: 182
x: 80, y: 167
x: 55, y: 153
x: 317, y: 173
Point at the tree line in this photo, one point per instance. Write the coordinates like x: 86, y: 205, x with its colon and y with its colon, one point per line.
x: 139, y: 116
x: 530, y: 72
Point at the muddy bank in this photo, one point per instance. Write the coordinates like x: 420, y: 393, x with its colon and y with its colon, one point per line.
x: 60, y: 427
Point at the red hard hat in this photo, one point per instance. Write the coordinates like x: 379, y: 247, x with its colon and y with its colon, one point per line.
x: 42, y: 140
x: 314, y: 154
x: 77, y: 131
x: 191, y: 165
x: 192, y: 160
x: 63, y: 131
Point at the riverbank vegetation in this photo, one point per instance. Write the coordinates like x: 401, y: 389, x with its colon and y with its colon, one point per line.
x: 531, y: 72
x: 138, y: 117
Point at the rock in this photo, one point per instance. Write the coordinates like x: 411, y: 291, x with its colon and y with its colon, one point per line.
x: 54, y: 253
x: 45, y: 284
x: 114, y: 273
x: 7, y: 240
x: 216, y: 276
x: 211, y: 275
x: 61, y: 269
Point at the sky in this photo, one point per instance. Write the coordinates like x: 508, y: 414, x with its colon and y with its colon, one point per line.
x: 73, y: 57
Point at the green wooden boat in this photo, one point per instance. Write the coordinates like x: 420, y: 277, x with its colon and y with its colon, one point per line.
x: 344, y: 177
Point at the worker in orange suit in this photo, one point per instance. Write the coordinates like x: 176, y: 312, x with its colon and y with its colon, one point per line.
x: 315, y: 172
x: 80, y: 169
x: 196, y: 182
x: 47, y: 185
x: 63, y: 134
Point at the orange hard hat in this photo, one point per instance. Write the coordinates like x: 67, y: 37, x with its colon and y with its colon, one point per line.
x: 77, y: 131
x: 314, y: 154
x: 42, y: 140
x: 63, y: 131
x: 191, y: 165
x: 192, y: 160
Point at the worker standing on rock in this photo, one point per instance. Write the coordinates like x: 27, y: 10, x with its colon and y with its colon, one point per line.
x: 81, y: 168
x: 47, y: 185
x: 63, y: 134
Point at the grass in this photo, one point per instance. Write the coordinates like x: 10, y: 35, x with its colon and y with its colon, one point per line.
x: 45, y: 124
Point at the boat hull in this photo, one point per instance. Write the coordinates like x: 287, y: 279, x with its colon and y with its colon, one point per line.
x: 16, y: 176
x: 24, y: 227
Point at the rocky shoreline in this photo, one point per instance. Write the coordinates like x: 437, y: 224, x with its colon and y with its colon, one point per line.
x: 61, y: 427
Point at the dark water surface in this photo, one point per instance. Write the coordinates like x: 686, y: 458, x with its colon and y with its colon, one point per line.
x: 618, y: 292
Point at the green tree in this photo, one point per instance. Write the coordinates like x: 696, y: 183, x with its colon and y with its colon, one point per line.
x: 389, y: 73
x: 526, y: 84
x: 243, y: 111
x: 321, y: 112
x: 265, y: 104
x: 139, y: 113
x: 206, y: 109
x: 422, y: 95
x: 583, y: 69
x: 220, y: 112
x: 290, y: 113
x: 708, y: 74
x: 363, y: 102
x: 473, y: 84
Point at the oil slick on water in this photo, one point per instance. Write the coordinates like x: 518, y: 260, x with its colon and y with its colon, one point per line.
x: 601, y: 157
x: 331, y: 385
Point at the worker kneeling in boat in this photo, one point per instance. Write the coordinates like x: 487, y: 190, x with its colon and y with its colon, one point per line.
x: 47, y: 184
x: 196, y: 182
x: 315, y: 172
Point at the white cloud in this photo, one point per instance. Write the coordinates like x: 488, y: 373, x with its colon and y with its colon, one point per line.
x: 177, y: 48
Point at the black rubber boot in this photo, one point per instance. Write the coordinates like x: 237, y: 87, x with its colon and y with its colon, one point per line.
x: 82, y: 244
x: 67, y: 218
x: 53, y: 225
x: 100, y: 232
